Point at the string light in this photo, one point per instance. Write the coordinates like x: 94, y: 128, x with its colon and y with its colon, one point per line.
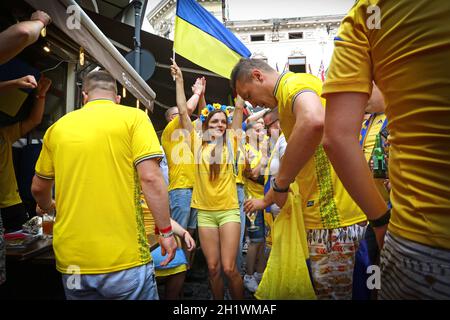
x: 124, y: 92
x: 46, y: 47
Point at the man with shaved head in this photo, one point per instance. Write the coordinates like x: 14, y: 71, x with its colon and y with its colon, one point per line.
x: 100, y: 157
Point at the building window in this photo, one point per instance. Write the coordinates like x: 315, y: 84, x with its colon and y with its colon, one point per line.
x: 297, y: 64
x: 257, y: 37
x: 295, y: 35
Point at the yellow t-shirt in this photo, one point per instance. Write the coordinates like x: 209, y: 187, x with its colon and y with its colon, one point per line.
x: 407, y: 59
x: 373, y: 128
x: 325, y: 202
x: 253, y: 189
x: 9, y: 192
x: 220, y: 194
x: 92, y: 153
x: 179, y: 156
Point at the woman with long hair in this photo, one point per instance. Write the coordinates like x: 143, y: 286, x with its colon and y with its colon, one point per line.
x: 214, y: 193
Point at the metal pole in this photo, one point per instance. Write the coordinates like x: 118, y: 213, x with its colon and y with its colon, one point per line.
x: 137, y: 36
x: 224, y: 17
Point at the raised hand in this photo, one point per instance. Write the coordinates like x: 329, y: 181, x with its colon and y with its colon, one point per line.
x: 41, y: 16
x: 197, y: 87
x: 27, y: 82
x: 175, y: 71
x: 43, y: 85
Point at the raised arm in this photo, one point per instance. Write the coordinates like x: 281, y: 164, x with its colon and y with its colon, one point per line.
x: 19, y: 36
x: 238, y: 115
x: 35, y: 116
x: 185, y: 121
x: 202, y: 102
x: 194, y: 100
x: 27, y: 82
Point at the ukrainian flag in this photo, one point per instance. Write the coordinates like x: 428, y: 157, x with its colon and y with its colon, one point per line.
x: 202, y: 39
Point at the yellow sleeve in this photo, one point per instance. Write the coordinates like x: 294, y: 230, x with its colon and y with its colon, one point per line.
x: 351, y: 68
x: 169, y: 129
x: 298, y: 84
x: 44, y: 166
x: 144, y: 141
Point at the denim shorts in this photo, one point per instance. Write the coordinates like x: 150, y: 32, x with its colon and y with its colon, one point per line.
x: 136, y: 283
x: 257, y: 236
x: 180, y: 208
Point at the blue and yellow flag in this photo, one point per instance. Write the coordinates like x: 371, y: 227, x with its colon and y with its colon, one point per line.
x: 202, y: 39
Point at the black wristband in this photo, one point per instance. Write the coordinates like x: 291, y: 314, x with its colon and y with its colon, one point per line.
x: 381, y: 221
x: 277, y: 189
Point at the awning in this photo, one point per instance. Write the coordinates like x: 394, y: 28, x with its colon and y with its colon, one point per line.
x: 121, y: 35
x: 91, y: 38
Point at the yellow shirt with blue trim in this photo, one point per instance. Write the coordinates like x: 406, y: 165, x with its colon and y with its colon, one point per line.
x: 325, y: 202
x: 9, y: 191
x: 91, y: 154
x: 221, y: 193
x: 407, y: 57
x: 179, y: 156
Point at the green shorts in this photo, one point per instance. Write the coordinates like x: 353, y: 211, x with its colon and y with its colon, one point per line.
x: 216, y: 219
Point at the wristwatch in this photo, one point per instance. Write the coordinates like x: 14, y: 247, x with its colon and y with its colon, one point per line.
x: 277, y: 189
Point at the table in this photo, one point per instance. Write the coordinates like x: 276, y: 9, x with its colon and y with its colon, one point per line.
x: 42, y: 250
x: 34, y: 249
x: 31, y: 272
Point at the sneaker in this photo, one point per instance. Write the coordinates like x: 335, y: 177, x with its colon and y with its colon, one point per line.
x: 250, y: 283
x: 257, y: 276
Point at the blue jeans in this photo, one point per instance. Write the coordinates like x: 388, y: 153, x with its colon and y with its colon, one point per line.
x: 241, y: 198
x: 136, y: 283
x: 180, y: 208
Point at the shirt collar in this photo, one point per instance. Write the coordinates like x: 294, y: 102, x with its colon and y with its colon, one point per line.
x: 278, y: 82
x: 98, y: 102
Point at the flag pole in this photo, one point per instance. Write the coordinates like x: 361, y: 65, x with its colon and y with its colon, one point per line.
x: 173, y: 58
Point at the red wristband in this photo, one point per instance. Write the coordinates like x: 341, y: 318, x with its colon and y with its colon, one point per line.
x: 166, y: 230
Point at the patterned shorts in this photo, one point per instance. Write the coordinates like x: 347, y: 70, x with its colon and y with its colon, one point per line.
x: 332, y: 255
x: 413, y: 271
